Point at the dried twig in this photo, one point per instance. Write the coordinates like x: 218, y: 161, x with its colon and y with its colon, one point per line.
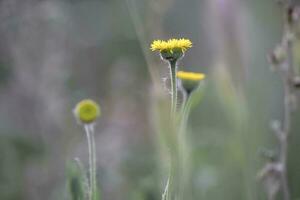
x: 275, y: 171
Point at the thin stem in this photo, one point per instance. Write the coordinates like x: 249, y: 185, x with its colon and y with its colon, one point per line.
x: 284, y: 138
x: 173, y: 71
x: 166, y: 195
x: 88, y: 135
x: 89, y: 129
x: 186, y: 112
x: 94, y: 180
x: 170, y: 187
x: 183, y: 146
x: 85, y: 179
x: 287, y: 71
x: 287, y: 111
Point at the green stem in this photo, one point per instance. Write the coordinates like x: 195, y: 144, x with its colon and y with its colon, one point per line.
x: 94, y: 180
x: 92, y: 160
x: 183, y: 147
x: 185, y: 113
x: 166, y: 195
x: 171, y: 184
x: 173, y: 71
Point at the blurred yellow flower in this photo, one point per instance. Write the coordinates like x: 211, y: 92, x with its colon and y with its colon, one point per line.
x: 87, y: 111
x: 190, y: 76
x: 171, y: 44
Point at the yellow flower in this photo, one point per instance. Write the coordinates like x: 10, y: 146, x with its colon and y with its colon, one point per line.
x: 170, y: 45
x: 159, y: 45
x: 190, y: 80
x: 190, y: 76
x: 87, y: 111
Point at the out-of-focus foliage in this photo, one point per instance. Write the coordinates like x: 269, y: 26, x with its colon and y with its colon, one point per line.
x: 15, y: 154
x: 76, y: 181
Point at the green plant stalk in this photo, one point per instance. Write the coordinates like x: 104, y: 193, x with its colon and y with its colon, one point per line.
x: 89, y: 129
x: 170, y: 186
x: 173, y: 71
x: 94, y: 180
x: 84, y: 178
x: 183, y: 147
x: 76, y: 180
x: 165, y: 195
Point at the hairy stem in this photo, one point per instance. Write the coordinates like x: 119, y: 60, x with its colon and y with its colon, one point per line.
x: 89, y: 129
x: 173, y: 80
x: 165, y: 195
x: 94, y: 180
x: 169, y: 189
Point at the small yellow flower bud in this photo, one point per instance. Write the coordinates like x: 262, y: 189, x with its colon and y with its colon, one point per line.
x: 87, y: 111
x: 190, y: 80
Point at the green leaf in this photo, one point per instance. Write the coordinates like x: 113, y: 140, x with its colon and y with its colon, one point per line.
x: 76, y: 181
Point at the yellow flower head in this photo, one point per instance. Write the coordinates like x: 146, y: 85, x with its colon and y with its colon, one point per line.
x: 190, y: 80
x: 159, y: 45
x: 170, y: 45
x: 190, y: 76
x: 87, y: 111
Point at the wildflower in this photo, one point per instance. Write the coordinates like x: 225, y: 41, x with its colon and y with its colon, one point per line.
x: 159, y: 45
x: 190, y: 80
x: 172, y: 51
x: 171, y: 45
x: 87, y: 111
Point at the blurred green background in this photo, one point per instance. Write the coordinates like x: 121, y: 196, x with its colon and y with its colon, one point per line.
x: 53, y: 53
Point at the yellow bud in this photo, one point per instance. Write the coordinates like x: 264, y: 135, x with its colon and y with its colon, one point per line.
x: 87, y: 111
x: 190, y: 80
